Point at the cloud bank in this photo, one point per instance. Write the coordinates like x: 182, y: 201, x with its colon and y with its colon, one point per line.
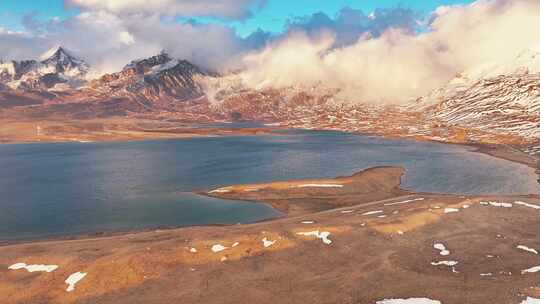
x: 225, y: 9
x: 400, y: 64
x: 108, y: 41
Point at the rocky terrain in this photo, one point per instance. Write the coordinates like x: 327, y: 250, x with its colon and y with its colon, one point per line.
x: 502, y: 98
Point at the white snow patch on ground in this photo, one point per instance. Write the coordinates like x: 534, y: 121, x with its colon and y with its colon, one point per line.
x: 497, y: 204
x: 308, y: 222
x: 442, y: 249
x: 220, y: 190
x: 320, y: 186
x: 466, y: 206
x: 218, y: 248
x: 323, y: 235
x: 445, y: 263
x: 33, y: 268
x: 450, y: 210
x: 486, y: 274
x: 73, y: 279
x: 531, y: 270
x: 530, y: 300
x: 193, y: 250
x: 373, y: 212
x: 527, y: 205
x: 409, y: 301
x: 235, y: 244
x: 405, y: 202
x: 347, y: 211
x: 525, y: 248
x: 267, y: 243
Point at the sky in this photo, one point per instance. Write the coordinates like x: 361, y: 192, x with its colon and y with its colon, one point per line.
x: 272, y: 16
x: 381, y: 51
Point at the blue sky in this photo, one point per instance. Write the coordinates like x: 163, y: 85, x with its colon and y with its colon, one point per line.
x: 271, y: 17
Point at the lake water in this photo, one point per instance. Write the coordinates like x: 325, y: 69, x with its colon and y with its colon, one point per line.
x: 48, y: 190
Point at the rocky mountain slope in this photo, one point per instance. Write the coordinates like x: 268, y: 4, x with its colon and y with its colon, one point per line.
x: 162, y: 86
x: 502, y: 98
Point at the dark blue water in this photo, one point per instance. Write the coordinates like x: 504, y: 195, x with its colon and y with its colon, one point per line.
x: 68, y: 188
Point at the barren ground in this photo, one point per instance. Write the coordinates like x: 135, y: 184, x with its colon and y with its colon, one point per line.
x: 379, y: 249
x: 109, y: 129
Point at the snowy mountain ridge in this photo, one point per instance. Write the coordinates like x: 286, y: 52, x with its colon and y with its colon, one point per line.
x: 58, y: 70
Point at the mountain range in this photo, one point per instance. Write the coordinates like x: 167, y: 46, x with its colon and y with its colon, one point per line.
x: 499, y: 98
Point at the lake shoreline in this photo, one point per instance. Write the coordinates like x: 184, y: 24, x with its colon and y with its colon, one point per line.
x: 364, y: 225
x: 363, y: 239
x: 499, y: 151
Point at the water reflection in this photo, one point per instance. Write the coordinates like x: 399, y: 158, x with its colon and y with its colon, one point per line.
x: 52, y: 189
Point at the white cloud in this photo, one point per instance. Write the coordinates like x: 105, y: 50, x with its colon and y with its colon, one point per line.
x: 108, y: 41
x: 400, y: 65
x: 349, y: 24
x: 225, y: 9
x: 18, y: 46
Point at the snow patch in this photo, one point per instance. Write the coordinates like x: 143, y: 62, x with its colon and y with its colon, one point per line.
x: 531, y: 270
x: 525, y: 248
x: 323, y: 235
x: 527, y: 205
x: 218, y: 247
x: 33, y: 268
x: 530, y: 300
x: 450, y: 210
x: 267, y: 243
x: 442, y: 249
x: 373, y: 212
x: 320, y: 186
x: 73, y: 279
x: 497, y: 204
x: 221, y: 190
x: 409, y: 301
x: 445, y: 263
x: 405, y: 202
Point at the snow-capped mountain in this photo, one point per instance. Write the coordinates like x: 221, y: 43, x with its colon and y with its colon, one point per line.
x: 158, y: 82
x: 58, y: 70
x: 494, y: 98
x: 502, y: 98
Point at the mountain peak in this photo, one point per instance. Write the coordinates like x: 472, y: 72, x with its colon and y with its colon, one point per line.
x: 150, y: 62
x: 63, y: 61
x: 55, y: 53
